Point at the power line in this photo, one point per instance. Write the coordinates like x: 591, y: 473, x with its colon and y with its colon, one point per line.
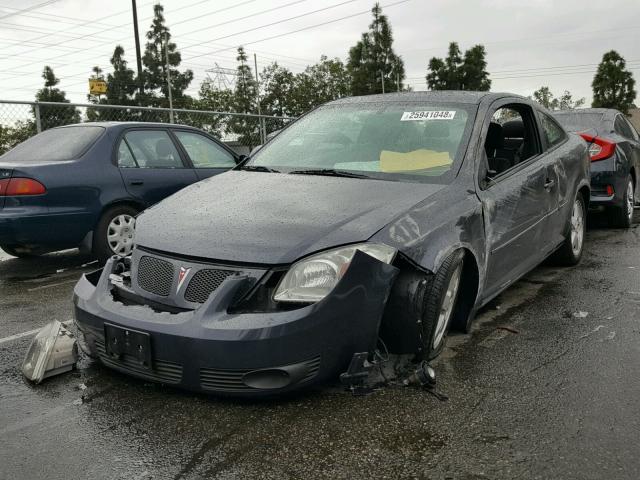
x: 28, y: 9
x: 298, y: 30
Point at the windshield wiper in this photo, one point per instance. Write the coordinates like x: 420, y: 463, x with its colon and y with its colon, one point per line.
x: 258, y: 168
x: 329, y: 172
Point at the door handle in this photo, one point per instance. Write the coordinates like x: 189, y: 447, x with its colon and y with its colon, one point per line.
x: 136, y: 182
x: 548, y: 184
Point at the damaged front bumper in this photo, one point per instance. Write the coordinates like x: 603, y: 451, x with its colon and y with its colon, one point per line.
x: 213, y: 349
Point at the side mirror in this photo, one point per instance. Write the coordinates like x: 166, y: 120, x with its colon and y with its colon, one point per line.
x: 242, y: 159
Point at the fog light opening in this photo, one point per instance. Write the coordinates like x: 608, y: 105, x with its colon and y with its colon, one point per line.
x: 267, y: 379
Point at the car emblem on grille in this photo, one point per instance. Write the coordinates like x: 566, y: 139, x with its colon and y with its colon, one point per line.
x: 182, y: 276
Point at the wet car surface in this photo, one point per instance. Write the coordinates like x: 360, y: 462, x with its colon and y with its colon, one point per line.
x: 545, y: 386
x: 314, y: 272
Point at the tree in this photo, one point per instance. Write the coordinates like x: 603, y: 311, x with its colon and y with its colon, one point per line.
x: 458, y: 72
x: 155, y: 66
x: 51, y: 116
x: 279, y: 90
x: 10, y: 136
x: 373, y: 65
x: 244, y: 100
x: 565, y: 102
x: 215, y: 99
x: 613, y: 85
x: 320, y: 83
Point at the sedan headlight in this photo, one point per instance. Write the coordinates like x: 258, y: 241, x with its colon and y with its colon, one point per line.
x: 312, y: 278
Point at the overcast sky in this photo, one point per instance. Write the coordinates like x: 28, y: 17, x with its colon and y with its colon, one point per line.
x: 529, y: 43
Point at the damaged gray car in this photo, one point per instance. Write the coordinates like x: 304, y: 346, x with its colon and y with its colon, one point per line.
x: 370, y: 223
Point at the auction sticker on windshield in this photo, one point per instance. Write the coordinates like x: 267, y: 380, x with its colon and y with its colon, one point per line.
x: 428, y: 115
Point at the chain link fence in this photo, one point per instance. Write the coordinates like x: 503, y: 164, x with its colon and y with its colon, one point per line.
x: 242, y: 132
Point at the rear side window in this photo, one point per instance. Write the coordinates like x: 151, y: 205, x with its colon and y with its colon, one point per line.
x: 204, y: 152
x: 55, y: 145
x: 149, y: 149
x: 552, y: 132
x: 125, y: 157
x: 623, y: 128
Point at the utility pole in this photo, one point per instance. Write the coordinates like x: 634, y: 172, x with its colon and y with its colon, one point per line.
x: 166, y: 56
x: 138, y: 57
x: 398, y: 80
x: 382, y: 81
x: 260, y: 120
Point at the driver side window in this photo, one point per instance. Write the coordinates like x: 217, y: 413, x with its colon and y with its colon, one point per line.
x: 511, y: 138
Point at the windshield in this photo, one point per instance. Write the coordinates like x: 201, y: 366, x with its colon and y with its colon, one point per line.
x: 55, y: 145
x: 402, y: 142
x: 579, y: 122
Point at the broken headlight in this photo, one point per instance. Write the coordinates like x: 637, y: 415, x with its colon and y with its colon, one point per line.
x: 52, y: 351
x: 311, y: 279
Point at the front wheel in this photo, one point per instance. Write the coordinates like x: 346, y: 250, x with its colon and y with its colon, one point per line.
x: 570, y: 252
x: 440, y: 299
x: 622, y: 216
x: 114, y: 233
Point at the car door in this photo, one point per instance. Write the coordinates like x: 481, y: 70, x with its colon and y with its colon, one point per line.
x: 207, y: 156
x: 517, y: 201
x: 631, y: 144
x: 151, y: 165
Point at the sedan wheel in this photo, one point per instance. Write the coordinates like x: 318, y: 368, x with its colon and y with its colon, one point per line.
x: 446, y: 309
x: 114, y: 233
x: 577, y: 227
x: 571, y: 250
x: 120, y: 234
x: 622, y: 216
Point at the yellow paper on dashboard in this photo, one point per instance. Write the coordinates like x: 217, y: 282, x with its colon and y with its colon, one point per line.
x: 416, y: 160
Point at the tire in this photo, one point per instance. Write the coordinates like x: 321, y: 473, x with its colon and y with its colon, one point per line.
x: 571, y: 250
x: 11, y: 250
x: 622, y: 216
x: 439, y: 301
x: 121, y: 217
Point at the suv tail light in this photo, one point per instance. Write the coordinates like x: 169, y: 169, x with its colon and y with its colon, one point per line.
x: 12, y: 187
x: 599, y: 149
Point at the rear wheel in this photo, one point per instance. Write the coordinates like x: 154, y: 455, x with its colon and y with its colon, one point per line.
x: 440, y: 299
x: 622, y: 216
x: 570, y: 252
x: 114, y: 233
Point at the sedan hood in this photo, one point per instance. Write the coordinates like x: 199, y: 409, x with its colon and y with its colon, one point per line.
x: 270, y: 218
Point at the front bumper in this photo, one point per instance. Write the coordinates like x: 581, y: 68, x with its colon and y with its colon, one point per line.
x: 251, y: 354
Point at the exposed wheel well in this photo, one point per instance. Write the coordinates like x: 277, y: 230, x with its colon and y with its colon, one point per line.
x: 586, y: 195
x: 403, y: 313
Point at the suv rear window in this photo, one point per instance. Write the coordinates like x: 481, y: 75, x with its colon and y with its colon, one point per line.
x: 55, y: 145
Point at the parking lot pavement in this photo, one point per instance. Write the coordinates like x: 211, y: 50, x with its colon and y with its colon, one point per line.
x: 546, y: 386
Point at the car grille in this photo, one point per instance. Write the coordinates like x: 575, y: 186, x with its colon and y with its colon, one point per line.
x: 204, y: 282
x: 163, y: 371
x: 155, y: 275
x: 231, y: 380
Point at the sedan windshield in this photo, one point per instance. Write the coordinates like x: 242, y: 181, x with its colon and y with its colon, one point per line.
x: 402, y: 142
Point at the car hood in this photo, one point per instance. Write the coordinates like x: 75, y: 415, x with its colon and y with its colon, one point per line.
x: 271, y: 218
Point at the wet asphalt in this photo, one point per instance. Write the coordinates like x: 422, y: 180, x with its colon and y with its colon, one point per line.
x: 547, y: 386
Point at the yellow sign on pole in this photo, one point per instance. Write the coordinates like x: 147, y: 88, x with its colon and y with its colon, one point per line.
x: 97, y: 87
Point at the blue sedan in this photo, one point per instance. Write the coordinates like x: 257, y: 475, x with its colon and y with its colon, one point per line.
x: 83, y: 185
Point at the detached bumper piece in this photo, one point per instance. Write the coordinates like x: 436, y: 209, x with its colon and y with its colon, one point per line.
x: 220, y: 349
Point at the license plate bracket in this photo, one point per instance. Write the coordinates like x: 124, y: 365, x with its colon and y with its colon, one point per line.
x: 120, y: 342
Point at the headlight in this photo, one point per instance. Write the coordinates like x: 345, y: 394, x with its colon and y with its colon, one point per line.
x: 311, y: 279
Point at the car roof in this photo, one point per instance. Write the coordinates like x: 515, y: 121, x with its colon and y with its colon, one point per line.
x: 436, y: 96
x: 605, y: 112
x: 127, y: 124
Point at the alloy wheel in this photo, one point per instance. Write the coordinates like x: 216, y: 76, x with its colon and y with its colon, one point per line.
x: 446, y: 309
x: 120, y: 234
x: 577, y: 227
x: 630, y: 200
